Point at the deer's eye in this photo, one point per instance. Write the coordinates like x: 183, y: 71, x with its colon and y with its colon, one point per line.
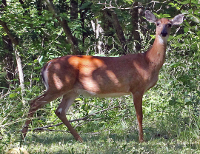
x: 158, y: 23
x: 169, y: 25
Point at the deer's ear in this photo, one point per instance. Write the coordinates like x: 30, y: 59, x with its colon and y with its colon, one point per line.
x: 177, y: 20
x: 150, y: 16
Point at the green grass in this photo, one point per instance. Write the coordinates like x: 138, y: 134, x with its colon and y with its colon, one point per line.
x: 114, y: 140
x: 105, y: 142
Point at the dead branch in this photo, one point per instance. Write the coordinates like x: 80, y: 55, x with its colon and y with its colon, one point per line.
x: 80, y: 119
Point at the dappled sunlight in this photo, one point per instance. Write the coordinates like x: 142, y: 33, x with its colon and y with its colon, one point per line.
x: 57, y: 81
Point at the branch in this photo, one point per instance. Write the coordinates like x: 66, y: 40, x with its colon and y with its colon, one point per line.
x: 5, y: 27
x: 109, y: 6
x: 63, y: 22
x: 80, y: 119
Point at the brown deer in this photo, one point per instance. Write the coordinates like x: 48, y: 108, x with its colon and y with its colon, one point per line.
x: 70, y: 76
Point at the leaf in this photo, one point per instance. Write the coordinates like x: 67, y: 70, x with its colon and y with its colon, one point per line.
x: 173, y: 101
x: 78, y: 99
x: 13, y: 95
x: 40, y: 59
x: 194, y: 18
x: 36, y: 79
x: 174, y: 65
x: 188, y: 103
x: 85, y: 5
x: 35, y: 61
x: 186, y: 29
x: 172, y: 4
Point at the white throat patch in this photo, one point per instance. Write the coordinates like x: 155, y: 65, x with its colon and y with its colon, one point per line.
x: 163, y: 40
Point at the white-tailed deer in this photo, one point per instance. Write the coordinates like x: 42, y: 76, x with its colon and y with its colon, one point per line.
x: 70, y: 76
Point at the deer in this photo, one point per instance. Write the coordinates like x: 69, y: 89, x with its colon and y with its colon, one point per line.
x: 132, y: 74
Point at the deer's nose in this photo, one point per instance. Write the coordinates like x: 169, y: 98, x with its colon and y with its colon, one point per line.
x: 164, y: 32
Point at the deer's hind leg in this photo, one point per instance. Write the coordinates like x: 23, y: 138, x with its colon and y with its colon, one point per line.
x: 37, y: 103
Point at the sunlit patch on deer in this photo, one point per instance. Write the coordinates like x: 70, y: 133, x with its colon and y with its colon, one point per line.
x: 57, y: 81
x: 113, y: 77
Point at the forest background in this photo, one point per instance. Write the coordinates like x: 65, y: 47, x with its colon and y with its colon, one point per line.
x: 35, y: 31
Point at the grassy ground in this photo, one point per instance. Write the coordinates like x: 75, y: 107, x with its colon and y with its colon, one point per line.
x: 51, y: 142
x: 106, y: 142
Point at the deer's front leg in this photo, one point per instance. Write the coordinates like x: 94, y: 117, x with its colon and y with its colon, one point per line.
x: 67, y: 101
x: 137, y: 98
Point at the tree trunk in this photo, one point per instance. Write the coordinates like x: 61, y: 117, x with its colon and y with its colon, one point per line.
x: 21, y: 74
x: 136, y: 35
x: 18, y: 59
x: 119, y: 31
x: 74, y: 9
x: 98, y: 35
x: 8, y: 62
x: 82, y: 19
x: 39, y: 7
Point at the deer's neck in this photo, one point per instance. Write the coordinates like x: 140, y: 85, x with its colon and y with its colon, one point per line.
x: 156, y: 55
